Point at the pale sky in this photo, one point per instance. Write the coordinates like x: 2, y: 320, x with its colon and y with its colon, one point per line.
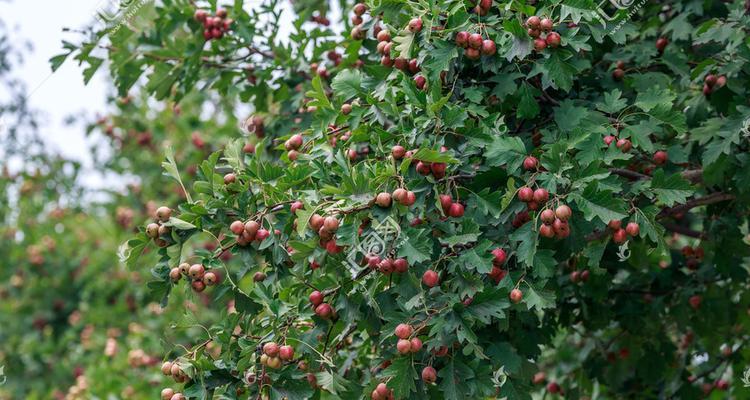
x: 63, y: 93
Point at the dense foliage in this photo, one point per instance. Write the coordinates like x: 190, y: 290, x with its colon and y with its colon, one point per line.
x: 566, y: 199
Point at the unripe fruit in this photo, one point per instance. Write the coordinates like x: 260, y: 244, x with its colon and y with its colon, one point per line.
x: 633, y: 229
x: 475, y: 41
x: 398, y: 152
x: 383, y: 199
x: 316, y: 298
x: 526, y: 194
x: 415, y: 25
x: 384, y: 36
x: 547, y: 216
x: 516, y: 295
x: 563, y: 212
x: 456, y: 210
x: 416, y: 344
x: 331, y: 224
x: 152, y: 230
x: 271, y: 349
x: 541, y: 195
x: 175, y: 275
x: 403, y: 346
x: 403, y: 331
x: 196, y: 271
x: 430, y: 278
x: 237, y: 227
x: 163, y: 213
x: 210, y: 278
x: 553, y: 39
x: 530, y: 163
x: 620, y: 236
x: 286, y: 352
x: 167, y: 393
x: 274, y: 362
x: 429, y: 375
x: 660, y: 157
x: 166, y: 368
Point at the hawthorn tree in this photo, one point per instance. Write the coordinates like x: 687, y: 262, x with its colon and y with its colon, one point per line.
x: 569, y: 197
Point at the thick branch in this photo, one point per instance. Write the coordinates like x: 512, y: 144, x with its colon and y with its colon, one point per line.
x: 683, y: 230
x: 701, y: 201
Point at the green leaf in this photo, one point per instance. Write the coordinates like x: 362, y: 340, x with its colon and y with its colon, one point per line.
x: 179, y: 224
x: 526, y: 238
x: 528, y: 108
x: 331, y: 382
x: 599, y: 203
x: 539, y: 299
x: 130, y: 251
x: 486, y: 202
x: 506, y: 150
x: 559, y: 71
x: 170, y: 168
x: 417, y: 246
x: 672, y: 189
x: 402, y: 374
x: 347, y: 84
x: 613, y: 102
x: 435, y: 156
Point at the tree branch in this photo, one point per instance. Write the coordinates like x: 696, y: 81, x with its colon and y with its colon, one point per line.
x: 701, y: 201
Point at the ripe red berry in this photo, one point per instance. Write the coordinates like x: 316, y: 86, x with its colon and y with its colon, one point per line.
x: 383, y: 199
x: 262, y: 234
x: 430, y: 278
x: 456, y: 210
x: 633, y: 229
x: 420, y: 81
x: 661, y: 44
x: 416, y: 344
x: 403, y: 331
x: 541, y: 195
x: 286, y: 352
x: 445, y: 202
x: 398, y: 152
x: 237, y: 227
x: 462, y: 39
x: 429, y: 375
x: 547, y: 231
x: 316, y: 298
x: 210, y: 278
x: 198, y: 286
x: 196, y: 271
x: 499, y: 256
x: 553, y: 387
x: 540, y: 44
x: 415, y: 25
x: 530, y: 163
x: 546, y: 25
x: 516, y: 295
x: 618, y: 74
x: 403, y: 346
x: 609, y: 139
x: 695, y: 301
x: 563, y: 212
x: 401, y: 265
x: 660, y: 157
x: 488, y: 47
x: 271, y: 349
x: 615, y: 224
x: 533, y: 22
x: 620, y: 236
x: 526, y: 194
x: 324, y: 310
x: 553, y: 39
x: 547, y: 216
x: 475, y: 41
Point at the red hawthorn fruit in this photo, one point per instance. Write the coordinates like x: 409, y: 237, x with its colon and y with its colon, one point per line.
x: 262, y: 234
x: 445, y: 202
x: 386, y: 266
x: 609, y: 139
x: 271, y: 349
x: 489, y: 47
x: 297, y: 205
x: 615, y: 224
x: 456, y: 210
x: 575, y: 276
x: 200, y: 15
x: 516, y: 295
x: 472, y: 53
x: 661, y: 44
x: 416, y: 344
x: 237, y: 227
x: 403, y: 331
x: 438, y: 169
x: 660, y: 157
x: 541, y: 195
x: 423, y: 168
x: 415, y: 25
x: 175, y: 274
x: 563, y: 212
x: 324, y: 310
x: 620, y: 236
x: 475, y: 41
x: 533, y: 22
x: 286, y: 352
x: 530, y: 163
x: 420, y: 81
x: 547, y: 231
x: 618, y: 74
x: 430, y: 278
x: 409, y: 199
x: 401, y: 63
x: 210, y: 278
x: 403, y: 346
x: 401, y: 265
x: 198, y: 286
x: 585, y: 275
x: 633, y: 229
x: 546, y: 25
x: 331, y: 224
x: 462, y: 39
x: 499, y: 256
x: 384, y: 199
x: 316, y: 298
x: 553, y: 39
x: 398, y: 152
x: 553, y: 387
x: 721, y: 81
x: 624, y: 144
x: 547, y: 216
x: 429, y: 375
x: 196, y: 271
x: 539, y: 44
x: 695, y: 301
x: 525, y: 194
x: 413, y: 66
